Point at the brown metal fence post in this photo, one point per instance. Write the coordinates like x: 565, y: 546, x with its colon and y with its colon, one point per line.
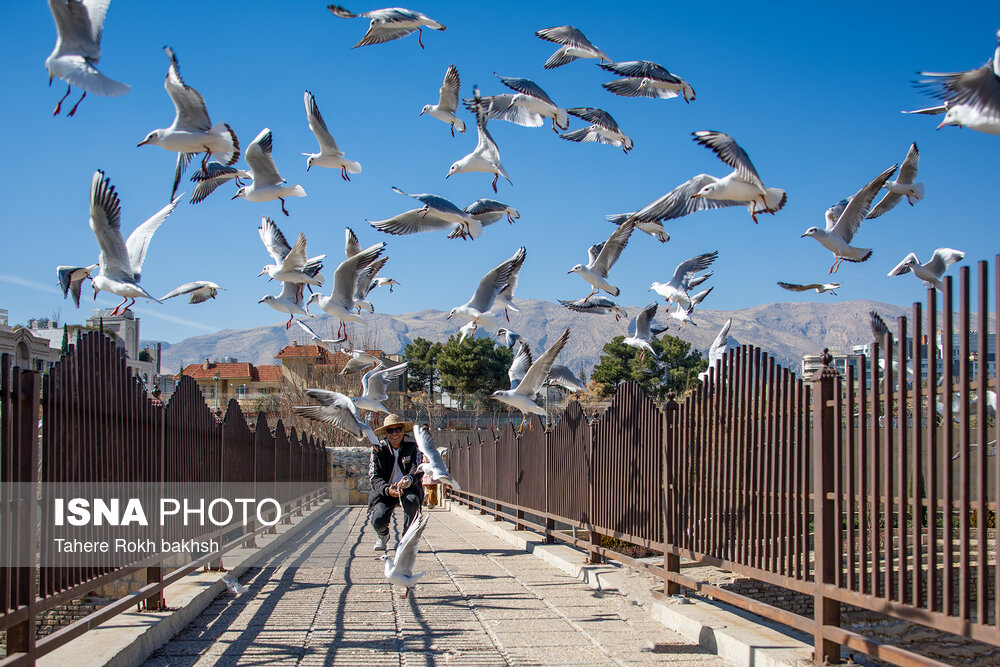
x: 827, y: 557
x: 156, y: 602
x: 671, y: 561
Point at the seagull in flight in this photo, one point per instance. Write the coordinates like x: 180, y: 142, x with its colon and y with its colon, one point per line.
x: 843, y: 220
x: 447, y: 102
x: 527, y: 107
x: 717, y: 349
x: 574, y: 43
x: 71, y: 279
x: 903, y: 185
x: 329, y: 154
x: 683, y: 315
x: 820, y: 288
x: 434, y: 468
x: 212, y: 176
x: 79, y: 26
x: 337, y: 409
x: 120, y: 260
x: 290, y: 262
x: 597, y: 304
x: 971, y: 98
x: 641, y: 331
x: 389, y: 24
x: 744, y: 184
x: 198, y: 291
x: 602, y: 256
x: 289, y: 301
x: 399, y: 570
x: 522, y: 396
x: 685, y: 278
x: 931, y: 272
x: 267, y: 184
x: 643, y: 78
x: 325, y: 343
x: 445, y: 210
x: 192, y: 131
x: 603, y: 129
x: 341, y: 302
x: 477, y: 308
x: 486, y: 156
x: 374, y: 384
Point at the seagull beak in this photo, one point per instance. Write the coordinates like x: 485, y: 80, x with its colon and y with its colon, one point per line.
x: 142, y: 143
x: 448, y: 174
x: 308, y: 167
x: 261, y: 273
x: 261, y: 301
x: 695, y: 195
x: 943, y: 123
x: 234, y: 196
x: 50, y: 79
x: 804, y: 235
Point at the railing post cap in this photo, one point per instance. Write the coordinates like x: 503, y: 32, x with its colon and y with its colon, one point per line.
x: 826, y: 371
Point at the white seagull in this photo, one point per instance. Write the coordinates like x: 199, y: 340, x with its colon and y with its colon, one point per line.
x: 819, y: 287
x: 683, y: 315
x: 79, y: 25
x: 505, y: 297
x: 971, y: 98
x: 477, y: 308
x: 290, y: 262
x: 366, y: 283
x: 399, y: 570
x: 685, y: 279
x: 717, y: 349
x: 339, y: 410
x: 359, y: 360
x: 652, y: 227
x: 641, y: 331
x: 744, y: 184
x: 646, y: 79
x: 603, y: 129
x: 120, y: 260
x: 574, y: 45
x: 212, y: 176
x: 528, y: 106
x: 325, y: 343
x: 522, y: 396
x: 602, y: 256
x: 267, y: 184
x: 903, y: 185
x: 447, y: 102
x: 434, y: 468
x: 597, y: 304
x: 192, y: 131
x: 562, y: 376
x: 482, y: 212
x: 341, y: 303
x: 933, y: 271
x: 486, y: 156
x: 374, y: 384
x: 71, y: 279
x: 444, y: 209
x: 389, y: 24
x: 843, y: 220
x: 329, y: 154
x: 198, y: 291
x: 289, y: 301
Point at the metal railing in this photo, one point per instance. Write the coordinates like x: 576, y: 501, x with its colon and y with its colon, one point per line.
x: 878, y: 489
x: 98, y: 426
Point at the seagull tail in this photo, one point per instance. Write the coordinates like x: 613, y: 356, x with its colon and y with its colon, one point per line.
x: 352, y: 167
x: 296, y: 191
x: 917, y: 194
x: 775, y: 199
x: 232, y: 155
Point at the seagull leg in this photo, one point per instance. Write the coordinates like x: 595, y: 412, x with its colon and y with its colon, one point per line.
x: 506, y: 314
x: 59, y: 104
x: 587, y: 298
x: 289, y: 322
x: 115, y: 311
x: 204, y: 160
x: 73, y: 110
x: 343, y: 173
x: 406, y: 591
x: 495, y: 177
x: 453, y: 135
x: 524, y: 418
x: 283, y: 210
x: 554, y: 129
x: 420, y: 34
x: 425, y: 210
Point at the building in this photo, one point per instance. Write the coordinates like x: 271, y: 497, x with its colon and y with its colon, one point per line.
x: 812, y: 362
x: 27, y: 349
x: 303, y: 365
x: 254, y: 387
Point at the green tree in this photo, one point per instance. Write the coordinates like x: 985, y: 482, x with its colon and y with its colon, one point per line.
x: 675, y: 366
x: 421, y: 355
x: 473, y: 368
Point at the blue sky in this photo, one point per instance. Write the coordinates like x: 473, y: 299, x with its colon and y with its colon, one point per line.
x: 811, y: 91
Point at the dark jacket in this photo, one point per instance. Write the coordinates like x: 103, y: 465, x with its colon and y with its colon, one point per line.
x: 380, y: 468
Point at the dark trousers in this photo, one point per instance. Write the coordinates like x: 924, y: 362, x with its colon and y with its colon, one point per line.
x: 382, y: 508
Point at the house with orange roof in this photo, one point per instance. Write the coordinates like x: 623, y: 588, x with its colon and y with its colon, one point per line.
x: 254, y: 387
x: 304, y: 365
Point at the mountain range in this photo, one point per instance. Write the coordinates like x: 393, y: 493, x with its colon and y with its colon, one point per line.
x: 786, y: 330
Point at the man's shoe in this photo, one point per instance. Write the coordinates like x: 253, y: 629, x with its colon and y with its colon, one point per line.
x: 380, y: 541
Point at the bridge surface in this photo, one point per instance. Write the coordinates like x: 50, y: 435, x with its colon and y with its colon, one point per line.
x: 322, y: 600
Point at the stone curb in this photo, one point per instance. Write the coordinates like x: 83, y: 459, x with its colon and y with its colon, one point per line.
x: 129, y: 638
x: 732, y: 634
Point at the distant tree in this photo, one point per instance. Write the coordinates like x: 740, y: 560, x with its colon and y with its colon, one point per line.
x: 675, y: 366
x: 475, y: 368
x: 421, y: 355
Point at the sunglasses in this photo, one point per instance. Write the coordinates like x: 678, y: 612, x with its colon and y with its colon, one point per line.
x: 393, y: 429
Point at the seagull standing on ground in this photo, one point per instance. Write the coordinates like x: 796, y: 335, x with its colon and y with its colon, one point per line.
x: 685, y: 279
x: 574, y: 45
x: 486, y: 156
x: 199, y: 291
x: 819, y: 287
x: 972, y: 98
x: 329, y: 154
x: 399, y: 571
x: 602, y: 256
x: 192, y: 131
x: 603, y: 129
x: 337, y: 409
x: 447, y: 102
x: 120, y: 260
x: 522, y: 397
x: 71, y: 280
x: 903, y: 185
x: 341, y: 302
x: 933, y: 271
x: 389, y: 24
x: 267, y: 184
x: 477, y: 308
x: 79, y: 25
x: 646, y: 79
x: 843, y: 220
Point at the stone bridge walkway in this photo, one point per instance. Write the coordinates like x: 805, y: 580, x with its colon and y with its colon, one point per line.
x: 323, y: 601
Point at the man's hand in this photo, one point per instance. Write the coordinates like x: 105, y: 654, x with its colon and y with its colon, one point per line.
x: 405, y: 482
x: 394, y: 491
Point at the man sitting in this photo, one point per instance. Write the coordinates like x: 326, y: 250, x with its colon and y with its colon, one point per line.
x: 395, y: 477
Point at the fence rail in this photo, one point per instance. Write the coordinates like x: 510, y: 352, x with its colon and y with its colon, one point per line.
x: 877, y: 489
x: 98, y: 426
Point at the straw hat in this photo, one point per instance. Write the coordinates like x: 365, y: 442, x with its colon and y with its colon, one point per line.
x: 393, y: 420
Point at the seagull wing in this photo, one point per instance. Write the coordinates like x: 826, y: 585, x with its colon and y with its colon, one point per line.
x: 642, y: 69
x: 296, y: 258
x: 854, y: 213
x: 943, y: 258
x: 351, y: 244
x: 730, y: 152
x: 719, y: 344
x: 520, y: 365
x: 274, y: 241
x: 880, y: 330
x: 345, y: 278
x: 138, y: 240
x: 488, y: 211
x: 904, y: 266
x: 448, y: 100
x: 792, y: 287
x: 502, y: 107
x: 595, y: 116
x: 640, y: 324
x: 427, y: 446
x: 191, y: 111
x: 406, y: 550
x: 518, y: 259
x: 318, y: 127
x: 568, y: 35
x: 525, y: 87
x: 979, y: 89
x: 308, y: 329
x: 679, y: 202
x: 908, y: 170
x: 539, y: 370
x: 376, y: 382
x: 381, y: 33
x: 613, y: 247
x: 78, y: 33
x: 632, y: 87
x: 366, y: 278
x: 686, y: 270
x: 411, y: 222
x: 105, y: 221
x: 494, y: 281
x: 258, y: 156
